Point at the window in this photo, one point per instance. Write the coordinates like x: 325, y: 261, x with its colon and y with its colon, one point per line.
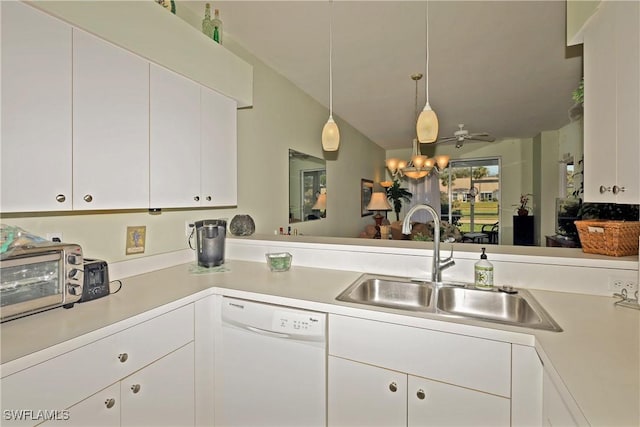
x: 470, y: 193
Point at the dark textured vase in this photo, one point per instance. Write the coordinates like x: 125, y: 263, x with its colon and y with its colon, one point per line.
x: 242, y: 225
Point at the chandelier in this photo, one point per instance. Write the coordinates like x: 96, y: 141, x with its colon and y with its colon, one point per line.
x: 419, y: 166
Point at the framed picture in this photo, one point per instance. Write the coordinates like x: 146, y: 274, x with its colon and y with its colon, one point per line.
x: 366, y: 189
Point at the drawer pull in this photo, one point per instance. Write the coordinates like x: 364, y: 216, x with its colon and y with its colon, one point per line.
x: 196, y: 198
x: 604, y: 189
x: 60, y: 198
x: 421, y: 394
x: 88, y: 198
x: 135, y: 388
x: 110, y: 403
x: 617, y: 189
x: 123, y: 357
x: 393, y: 387
x: 209, y: 198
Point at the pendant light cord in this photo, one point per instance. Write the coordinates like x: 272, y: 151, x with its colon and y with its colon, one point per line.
x: 426, y: 62
x: 330, y: 58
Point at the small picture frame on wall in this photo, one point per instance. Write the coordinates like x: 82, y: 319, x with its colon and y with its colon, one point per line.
x: 366, y: 189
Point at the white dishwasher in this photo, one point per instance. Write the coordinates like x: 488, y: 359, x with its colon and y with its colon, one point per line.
x: 270, y: 366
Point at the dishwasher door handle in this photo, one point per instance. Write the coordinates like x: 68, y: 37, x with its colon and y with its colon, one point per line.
x: 265, y: 332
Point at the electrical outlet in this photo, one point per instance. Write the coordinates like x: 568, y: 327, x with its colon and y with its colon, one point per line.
x: 56, y: 236
x: 617, y: 284
x: 188, y: 228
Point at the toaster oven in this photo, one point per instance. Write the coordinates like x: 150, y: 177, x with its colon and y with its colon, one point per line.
x: 40, y: 277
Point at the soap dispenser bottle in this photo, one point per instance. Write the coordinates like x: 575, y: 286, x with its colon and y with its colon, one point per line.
x: 483, y: 272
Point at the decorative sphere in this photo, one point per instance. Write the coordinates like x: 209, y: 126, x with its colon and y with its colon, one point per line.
x: 242, y: 225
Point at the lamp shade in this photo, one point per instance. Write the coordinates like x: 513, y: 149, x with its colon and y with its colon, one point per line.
x: 442, y: 161
x: 330, y: 135
x: 379, y: 202
x: 321, y: 203
x: 427, y: 125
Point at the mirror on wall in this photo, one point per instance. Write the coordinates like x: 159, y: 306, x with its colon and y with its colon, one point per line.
x: 307, y: 187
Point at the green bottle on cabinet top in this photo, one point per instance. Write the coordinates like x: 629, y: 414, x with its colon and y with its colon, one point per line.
x: 217, y: 27
x: 483, y: 272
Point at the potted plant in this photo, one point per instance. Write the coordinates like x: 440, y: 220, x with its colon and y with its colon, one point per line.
x: 397, y: 194
x: 523, y: 209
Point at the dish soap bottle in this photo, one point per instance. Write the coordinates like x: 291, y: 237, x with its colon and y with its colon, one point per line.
x: 483, y: 272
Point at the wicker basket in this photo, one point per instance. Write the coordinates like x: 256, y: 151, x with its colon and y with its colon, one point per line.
x: 613, y: 238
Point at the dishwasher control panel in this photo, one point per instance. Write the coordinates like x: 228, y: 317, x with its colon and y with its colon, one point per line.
x: 292, y: 322
x: 263, y: 318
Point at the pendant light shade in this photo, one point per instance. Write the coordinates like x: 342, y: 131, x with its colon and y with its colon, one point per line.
x: 330, y: 135
x: 427, y: 125
x: 330, y: 132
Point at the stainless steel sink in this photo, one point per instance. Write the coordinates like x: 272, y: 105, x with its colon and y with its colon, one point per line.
x: 519, y: 309
x: 390, y: 292
x: 507, y: 306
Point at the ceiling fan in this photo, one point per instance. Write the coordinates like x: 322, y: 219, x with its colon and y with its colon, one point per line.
x: 462, y: 134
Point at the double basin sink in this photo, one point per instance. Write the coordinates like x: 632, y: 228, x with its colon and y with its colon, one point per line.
x: 508, y: 306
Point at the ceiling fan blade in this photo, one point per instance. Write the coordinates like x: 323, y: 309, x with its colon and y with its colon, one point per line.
x: 481, y: 137
x: 447, y: 139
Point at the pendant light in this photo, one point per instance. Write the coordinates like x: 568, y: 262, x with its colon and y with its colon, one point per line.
x: 427, y: 125
x: 330, y: 131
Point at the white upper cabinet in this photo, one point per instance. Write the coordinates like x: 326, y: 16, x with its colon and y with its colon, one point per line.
x: 175, y: 140
x: 110, y: 126
x: 218, y: 152
x: 193, y: 150
x: 36, y: 111
x: 612, y: 104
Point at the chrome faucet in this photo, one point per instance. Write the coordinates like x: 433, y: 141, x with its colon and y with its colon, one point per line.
x: 437, y: 266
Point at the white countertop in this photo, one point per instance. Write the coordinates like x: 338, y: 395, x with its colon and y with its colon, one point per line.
x: 597, y: 357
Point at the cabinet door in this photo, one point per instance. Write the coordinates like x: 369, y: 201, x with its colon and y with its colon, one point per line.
x: 175, y: 140
x: 161, y: 394
x: 555, y: 411
x: 110, y: 126
x: 432, y: 403
x: 218, y: 155
x: 600, y: 153
x: 628, y: 100
x: 365, y: 395
x: 36, y: 111
x: 101, y: 409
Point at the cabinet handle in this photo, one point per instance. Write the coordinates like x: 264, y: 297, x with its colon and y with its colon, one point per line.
x: 135, y: 388
x: 110, y: 403
x: 209, y: 198
x: 393, y: 387
x: 604, y: 189
x: 88, y: 198
x: 60, y: 198
x: 196, y: 198
x: 123, y: 357
x: 617, y: 189
x: 421, y: 394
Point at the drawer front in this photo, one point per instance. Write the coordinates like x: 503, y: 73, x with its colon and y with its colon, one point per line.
x: 151, y: 340
x: 65, y: 380
x: 475, y: 363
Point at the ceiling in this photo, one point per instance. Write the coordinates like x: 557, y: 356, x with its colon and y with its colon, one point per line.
x: 497, y: 66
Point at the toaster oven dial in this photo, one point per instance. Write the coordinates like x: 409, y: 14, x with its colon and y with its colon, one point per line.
x: 74, y: 289
x: 74, y: 259
x: 73, y: 273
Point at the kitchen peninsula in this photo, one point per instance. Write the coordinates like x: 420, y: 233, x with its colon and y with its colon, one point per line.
x: 594, y: 330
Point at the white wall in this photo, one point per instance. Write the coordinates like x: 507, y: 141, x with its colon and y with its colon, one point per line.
x: 282, y: 117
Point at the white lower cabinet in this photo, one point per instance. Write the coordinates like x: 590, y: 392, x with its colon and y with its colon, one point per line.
x: 100, y: 409
x: 156, y: 354
x: 162, y: 394
x: 365, y: 395
x: 432, y: 403
x: 389, y: 374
